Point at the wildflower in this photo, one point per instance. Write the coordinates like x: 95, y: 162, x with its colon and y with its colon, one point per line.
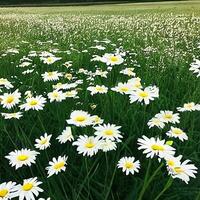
x: 80, y: 118
x: 18, y: 158
x: 8, y: 190
x: 112, y: 59
x: 177, y: 133
x: 129, y: 165
x: 128, y: 71
x: 98, y: 89
x: 29, y: 189
x: 57, y: 165
x: 4, y: 82
x: 66, y: 135
x: 88, y: 146
x: 43, y: 142
x: 168, y: 117
x: 8, y: 100
x: 189, y: 107
x: 108, y: 131
x: 56, y: 96
x: 16, y: 115
x: 155, y: 147
x: 107, y: 145
x: 156, y: 122
x: 50, y: 59
x: 51, y: 76
x: 34, y: 103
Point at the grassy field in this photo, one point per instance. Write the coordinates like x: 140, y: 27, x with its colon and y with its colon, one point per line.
x: 157, y: 41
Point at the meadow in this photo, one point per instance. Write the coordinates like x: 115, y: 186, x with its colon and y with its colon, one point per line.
x: 100, y: 102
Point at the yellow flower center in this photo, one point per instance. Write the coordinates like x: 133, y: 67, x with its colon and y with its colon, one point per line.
x: 43, y: 141
x: 49, y: 59
x: 170, y: 163
x: 157, y: 147
x: 27, y: 186
x: 143, y: 94
x: 10, y: 99
x: 55, y: 94
x: 33, y: 102
x: 108, y: 132
x: 89, y: 145
x: 177, y: 131
x: 189, y: 105
x: 99, y: 89
x: 59, y: 165
x: 168, y: 116
x: 114, y: 58
x: 3, y: 192
x: 22, y: 157
x: 129, y: 165
x: 124, y: 89
x: 178, y: 170
x: 80, y: 118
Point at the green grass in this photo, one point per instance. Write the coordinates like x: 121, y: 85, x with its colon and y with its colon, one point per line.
x: 171, y: 28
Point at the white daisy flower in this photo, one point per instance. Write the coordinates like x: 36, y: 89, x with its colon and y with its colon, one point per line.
x: 34, y: 103
x: 80, y: 118
x: 29, y: 189
x: 66, y: 135
x: 168, y: 117
x: 87, y: 145
x: 189, y: 107
x: 172, y: 161
x: 129, y: 165
x: 112, y: 59
x: 177, y: 133
x: 134, y: 83
x: 98, y: 89
x: 71, y: 94
x: 51, y: 76
x: 148, y: 94
x: 43, y: 142
x: 50, y: 59
x: 16, y: 115
x: 128, y: 72
x: 8, y: 100
x: 183, y: 171
x: 8, y: 190
x: 56, y: 96
x: 107, y: 145
x: 123, y: 88
x: 154, y: 147
x: 156, y: 122
x: 108, y: 131
x: 57, y: 165
x: 4, y: 82
x: 95, y: 118
x: 18, y: 158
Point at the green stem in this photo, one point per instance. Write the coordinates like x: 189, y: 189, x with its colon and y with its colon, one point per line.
x: 146, y: 183
x: 167, y: 185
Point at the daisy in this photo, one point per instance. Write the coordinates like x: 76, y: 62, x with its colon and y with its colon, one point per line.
x: 172, y: 161
x: 87, y: 145
x: 107, y: 145
x: 108, y: 131
x: 129, y: 165
x: 177, y: 133
x: 155, y: 147
x: 57, y: 165
x: 34, y: 103
x: 96, y: 119
x: 98, y: 89
x: 168, y: 117
x: 8, y: 100
x: 4, y: 82
x: 189, y: 107
x: 80, y: 118
x: 71, y: 93
x: 50, y: 59
x: 66, y: 135
x: 134, y: 83
x: 123, y: 88
x: 51, y: 76
x: 29, y: 189
x: 8, y: 190
x: 195, y: 67
x: 156, y: 122
x: 16, y: 115
x: 18, y: 158
x: 128, y: 71
x: 183, y: 171
x: 112, y: 59
x: 43, y: 142
x: 56, y: 96
x: 148, y: 94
